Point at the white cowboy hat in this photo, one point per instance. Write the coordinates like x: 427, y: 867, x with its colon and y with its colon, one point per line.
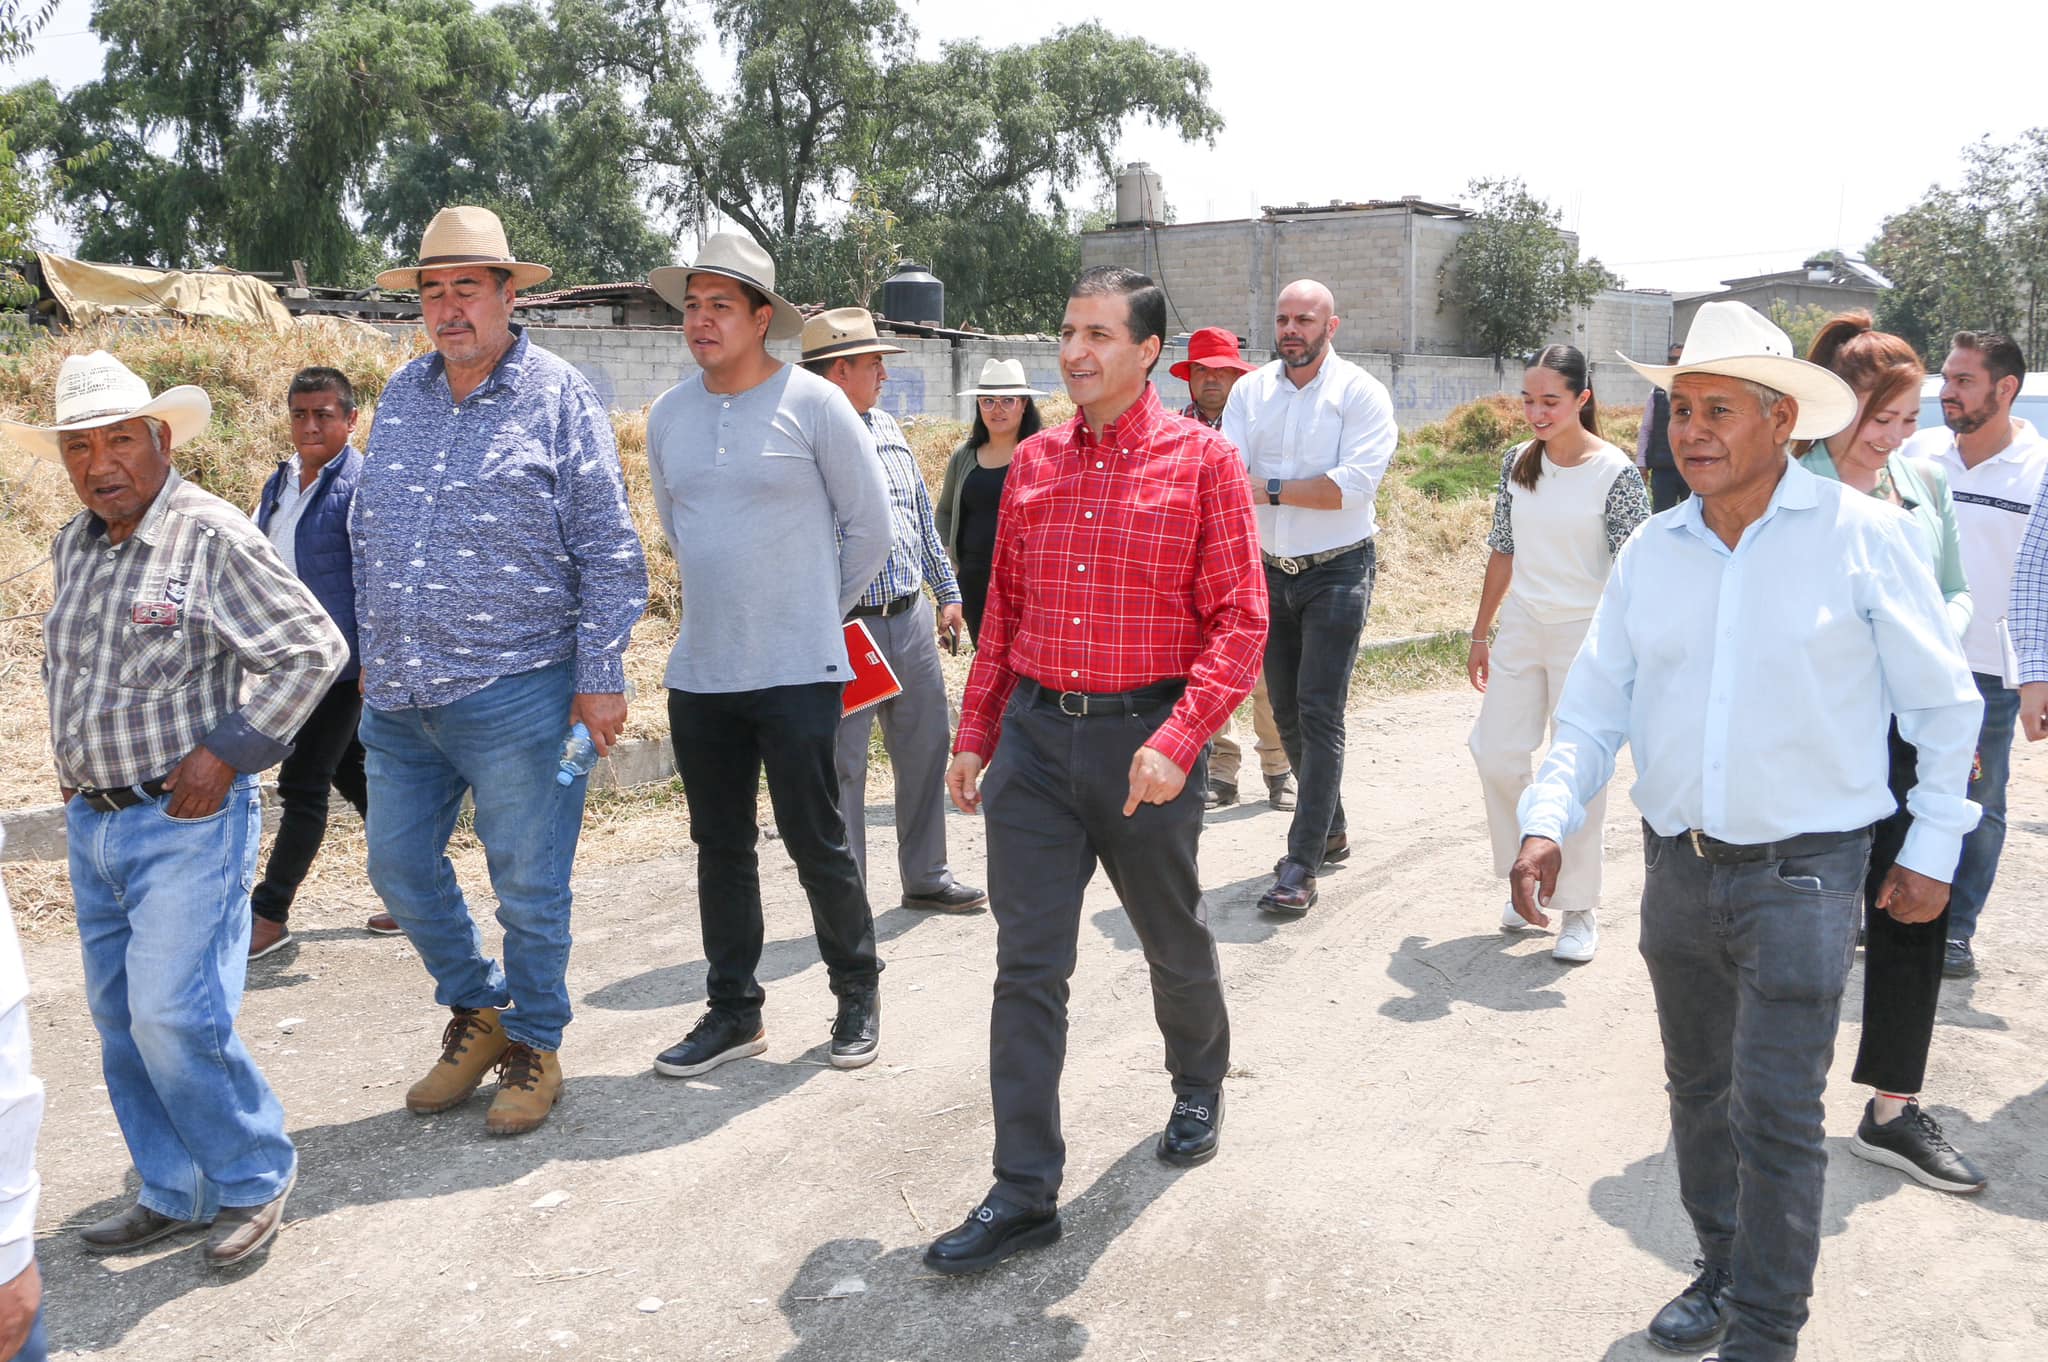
x: 1737, y: 340
x: 98, y: 390
x: 1001, y: 378
x: 843, y: 332
x: 465, y: 236
x: 734, y: 255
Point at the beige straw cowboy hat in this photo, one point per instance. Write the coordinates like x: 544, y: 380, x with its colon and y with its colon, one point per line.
x: 842, y: 333
x: 736, y: 256
x: 465, y: 236
x: 1737, y: 340
x: 1001, y: 378
x: 98, y: 390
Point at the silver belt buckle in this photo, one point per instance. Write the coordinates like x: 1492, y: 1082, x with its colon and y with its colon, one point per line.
x: 1291, y: 566
x: 1080, y: 713
x: 1699, y: 850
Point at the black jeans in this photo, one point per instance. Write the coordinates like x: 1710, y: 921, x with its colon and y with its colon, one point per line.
x: 722, y: 743
x: 1901, y: 961
x: 1667, y: 488
x: 973, y: 596
x: 1054, y: 802
x: 325, y: 755
x: 1317, y: 617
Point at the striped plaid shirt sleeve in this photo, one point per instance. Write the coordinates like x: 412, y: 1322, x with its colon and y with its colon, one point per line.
x: 2027, y: 613
x: 267, y: 619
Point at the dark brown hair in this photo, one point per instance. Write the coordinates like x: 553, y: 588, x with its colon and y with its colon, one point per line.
x: 2001, y: 353
x: 1568, y: 363
x: 1876, y: 364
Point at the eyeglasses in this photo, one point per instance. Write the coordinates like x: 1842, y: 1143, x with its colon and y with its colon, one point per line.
x: 998, y: 403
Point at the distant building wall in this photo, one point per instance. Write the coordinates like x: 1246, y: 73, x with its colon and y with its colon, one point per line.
x: 1795, y: 294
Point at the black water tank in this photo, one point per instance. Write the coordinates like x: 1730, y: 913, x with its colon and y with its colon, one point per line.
x: 913, y: 295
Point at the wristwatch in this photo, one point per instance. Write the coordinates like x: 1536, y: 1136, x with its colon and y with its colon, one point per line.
x: 1273, y: 491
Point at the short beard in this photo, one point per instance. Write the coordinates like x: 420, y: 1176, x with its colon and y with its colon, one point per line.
x: 1967, y: 422
x: 1310, y: 353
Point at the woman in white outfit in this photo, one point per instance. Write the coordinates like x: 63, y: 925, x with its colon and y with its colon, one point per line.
x: 1568, y: 500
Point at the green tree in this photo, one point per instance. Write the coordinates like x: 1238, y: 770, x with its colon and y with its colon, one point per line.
x: 1514, y: 273
x: 1800, y: 324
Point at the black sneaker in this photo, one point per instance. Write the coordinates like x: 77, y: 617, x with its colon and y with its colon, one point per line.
x: 1957, y: 961
x: 857, y: 1031
x: 717, y: 1037
x: 1693, y: 1319
x: 954, y: 898
x: 1912, y: 1142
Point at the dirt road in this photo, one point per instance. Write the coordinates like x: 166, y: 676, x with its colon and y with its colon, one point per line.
x: 1441, y: 1144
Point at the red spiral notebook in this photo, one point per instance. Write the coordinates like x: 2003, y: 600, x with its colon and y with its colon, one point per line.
x: 873, y: 679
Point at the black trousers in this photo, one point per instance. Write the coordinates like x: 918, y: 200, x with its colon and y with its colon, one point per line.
x: 1901, y: 961
x: 1316, y: 620
x: 722, y: 744
x: 325, y: 755
x: 974, y: 597
x: 1668, y: 487
x: 1054, y: 798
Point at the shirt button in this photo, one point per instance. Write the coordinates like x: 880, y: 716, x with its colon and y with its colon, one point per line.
x: 1098, y: 463
x: 1073, y: 673
x: 721, y: 449
x: 1080, y: 567
x: 725, y: 404
x: 83, y: 671
x: 1077, y: 619
x: 1087, y: 515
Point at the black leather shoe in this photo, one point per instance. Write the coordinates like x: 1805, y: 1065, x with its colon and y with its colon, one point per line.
x: 954, y: 898
x: 717, y: 1038
x: 1693, y: 1319
x: 1190, y: 1134
x: 857, y: 1031
x: 1336, y: 847
x: 1293, y: 892
x: 994, y: 1232
x: 1958, y: 961
x: 131, y: 1229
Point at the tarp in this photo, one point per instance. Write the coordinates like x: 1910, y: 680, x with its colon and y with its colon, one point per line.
x: 88, y: 292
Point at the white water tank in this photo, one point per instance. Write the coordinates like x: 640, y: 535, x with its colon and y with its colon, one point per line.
x: 1139, y: 198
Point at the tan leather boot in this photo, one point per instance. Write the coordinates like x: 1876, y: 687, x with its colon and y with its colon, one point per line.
x: 529, y: 1085
x: 472, y: 1043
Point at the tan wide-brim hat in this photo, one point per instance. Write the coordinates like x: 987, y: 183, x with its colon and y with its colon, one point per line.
x: 1737, y: 340
x: 1001, y: 378
x: 98, y: 390
x: 734, y: 255
x: 465, y: 235
x: 842, y: 333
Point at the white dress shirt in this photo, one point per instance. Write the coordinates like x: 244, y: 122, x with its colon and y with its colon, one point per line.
x: 1754, y: 685
x: 1992, y: 502
x: 21, y: 1108
x: 283, y: 528
x: 1339, y: 425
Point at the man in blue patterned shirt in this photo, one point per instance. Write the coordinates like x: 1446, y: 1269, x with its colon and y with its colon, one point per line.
x: 498, y: 578
x: 841, y: 347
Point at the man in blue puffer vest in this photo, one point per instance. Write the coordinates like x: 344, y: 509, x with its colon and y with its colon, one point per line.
x: 304, y: 510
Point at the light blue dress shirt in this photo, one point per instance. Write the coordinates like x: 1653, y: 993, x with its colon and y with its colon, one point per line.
x: 1754, y: 685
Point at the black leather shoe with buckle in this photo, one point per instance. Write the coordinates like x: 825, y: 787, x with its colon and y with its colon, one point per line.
x: 994, y: 1232
x: 1191, y: 1132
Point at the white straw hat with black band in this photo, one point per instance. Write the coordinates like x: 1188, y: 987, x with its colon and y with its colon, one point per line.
x: 1002, y: 378
x: 96, y: 390
x: 735, y: 255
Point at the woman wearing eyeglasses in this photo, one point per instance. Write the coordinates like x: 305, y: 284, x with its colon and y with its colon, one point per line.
x: 1004, y: 416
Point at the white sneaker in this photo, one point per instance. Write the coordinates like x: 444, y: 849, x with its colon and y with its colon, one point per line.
x: 1577, y: 938
x: 1512, y: 921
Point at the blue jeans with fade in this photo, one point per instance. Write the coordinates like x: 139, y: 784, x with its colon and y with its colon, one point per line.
x: 163, y: 925
x: 501, y: 745
x: 1978, y: 865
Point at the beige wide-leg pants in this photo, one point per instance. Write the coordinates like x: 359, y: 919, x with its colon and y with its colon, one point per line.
x: 1526, y: 678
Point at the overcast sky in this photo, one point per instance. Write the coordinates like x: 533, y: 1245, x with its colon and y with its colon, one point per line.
x: 1685, y: 144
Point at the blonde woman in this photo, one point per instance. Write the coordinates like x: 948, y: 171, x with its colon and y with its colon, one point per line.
x: 1568, y: 501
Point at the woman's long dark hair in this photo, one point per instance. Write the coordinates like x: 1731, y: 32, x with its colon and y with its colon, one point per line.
x: 1030, y: 424
x: 1567, y: 363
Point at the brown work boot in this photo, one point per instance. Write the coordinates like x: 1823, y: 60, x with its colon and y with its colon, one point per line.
x: 469, y: 1047
x: 529, y: 1085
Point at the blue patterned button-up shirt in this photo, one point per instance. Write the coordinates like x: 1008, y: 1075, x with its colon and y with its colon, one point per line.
x: 916, y: 553
x: 491, y: 535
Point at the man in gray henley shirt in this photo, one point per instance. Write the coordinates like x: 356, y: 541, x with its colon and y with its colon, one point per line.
x: 770, y: 497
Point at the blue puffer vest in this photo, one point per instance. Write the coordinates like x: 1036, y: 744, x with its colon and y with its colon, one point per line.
x: 321, y: 543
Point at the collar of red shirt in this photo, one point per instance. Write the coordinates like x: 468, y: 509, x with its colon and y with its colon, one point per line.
x: 1132, y: 430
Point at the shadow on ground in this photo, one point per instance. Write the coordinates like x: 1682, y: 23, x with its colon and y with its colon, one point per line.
x: 682, y: 984
x: 1499, y: 971
x: 850, y: 1302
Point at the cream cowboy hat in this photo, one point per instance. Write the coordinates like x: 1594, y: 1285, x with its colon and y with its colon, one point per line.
x: 98, y: 390
x: 736, y: 256
x: 1737, y: 340
x: 465, y: 236
x: 842, y: 333
x: 1001, y: 378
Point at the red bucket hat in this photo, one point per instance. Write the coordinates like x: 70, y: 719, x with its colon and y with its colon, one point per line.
x: 1215, y: 347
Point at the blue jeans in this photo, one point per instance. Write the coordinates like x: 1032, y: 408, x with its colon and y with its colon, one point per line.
x: 501, y: 745
x: 36, y: 1347
x: 1311, y: 650
x: 163, y: 924
x: 1748, y: 963
x: 1979, y: 863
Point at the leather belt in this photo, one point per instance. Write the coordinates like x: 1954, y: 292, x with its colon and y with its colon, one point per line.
x: 121, y: 796
x: 888, y: 611
x: 1295, y: 566
x: 1079, y: 705
x: 1717, y: 852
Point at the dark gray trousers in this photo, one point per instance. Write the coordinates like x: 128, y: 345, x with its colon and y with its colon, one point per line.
x: 1054, y: 798
x: 918, y: 738
x: 1748, y: 963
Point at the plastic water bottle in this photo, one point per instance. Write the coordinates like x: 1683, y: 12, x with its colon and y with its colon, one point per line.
x: 579, y: 756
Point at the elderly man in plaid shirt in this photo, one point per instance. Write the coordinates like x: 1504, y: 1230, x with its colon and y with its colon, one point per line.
x: 167, y: 600
x: 1126, y: 613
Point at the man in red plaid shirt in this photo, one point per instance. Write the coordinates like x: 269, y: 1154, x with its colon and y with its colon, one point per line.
x: 1126, y: 620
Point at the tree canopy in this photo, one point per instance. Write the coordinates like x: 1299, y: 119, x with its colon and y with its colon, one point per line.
x: 1515, y: 272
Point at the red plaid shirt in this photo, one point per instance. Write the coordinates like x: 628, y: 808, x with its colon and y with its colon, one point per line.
x: 1120, y: 562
